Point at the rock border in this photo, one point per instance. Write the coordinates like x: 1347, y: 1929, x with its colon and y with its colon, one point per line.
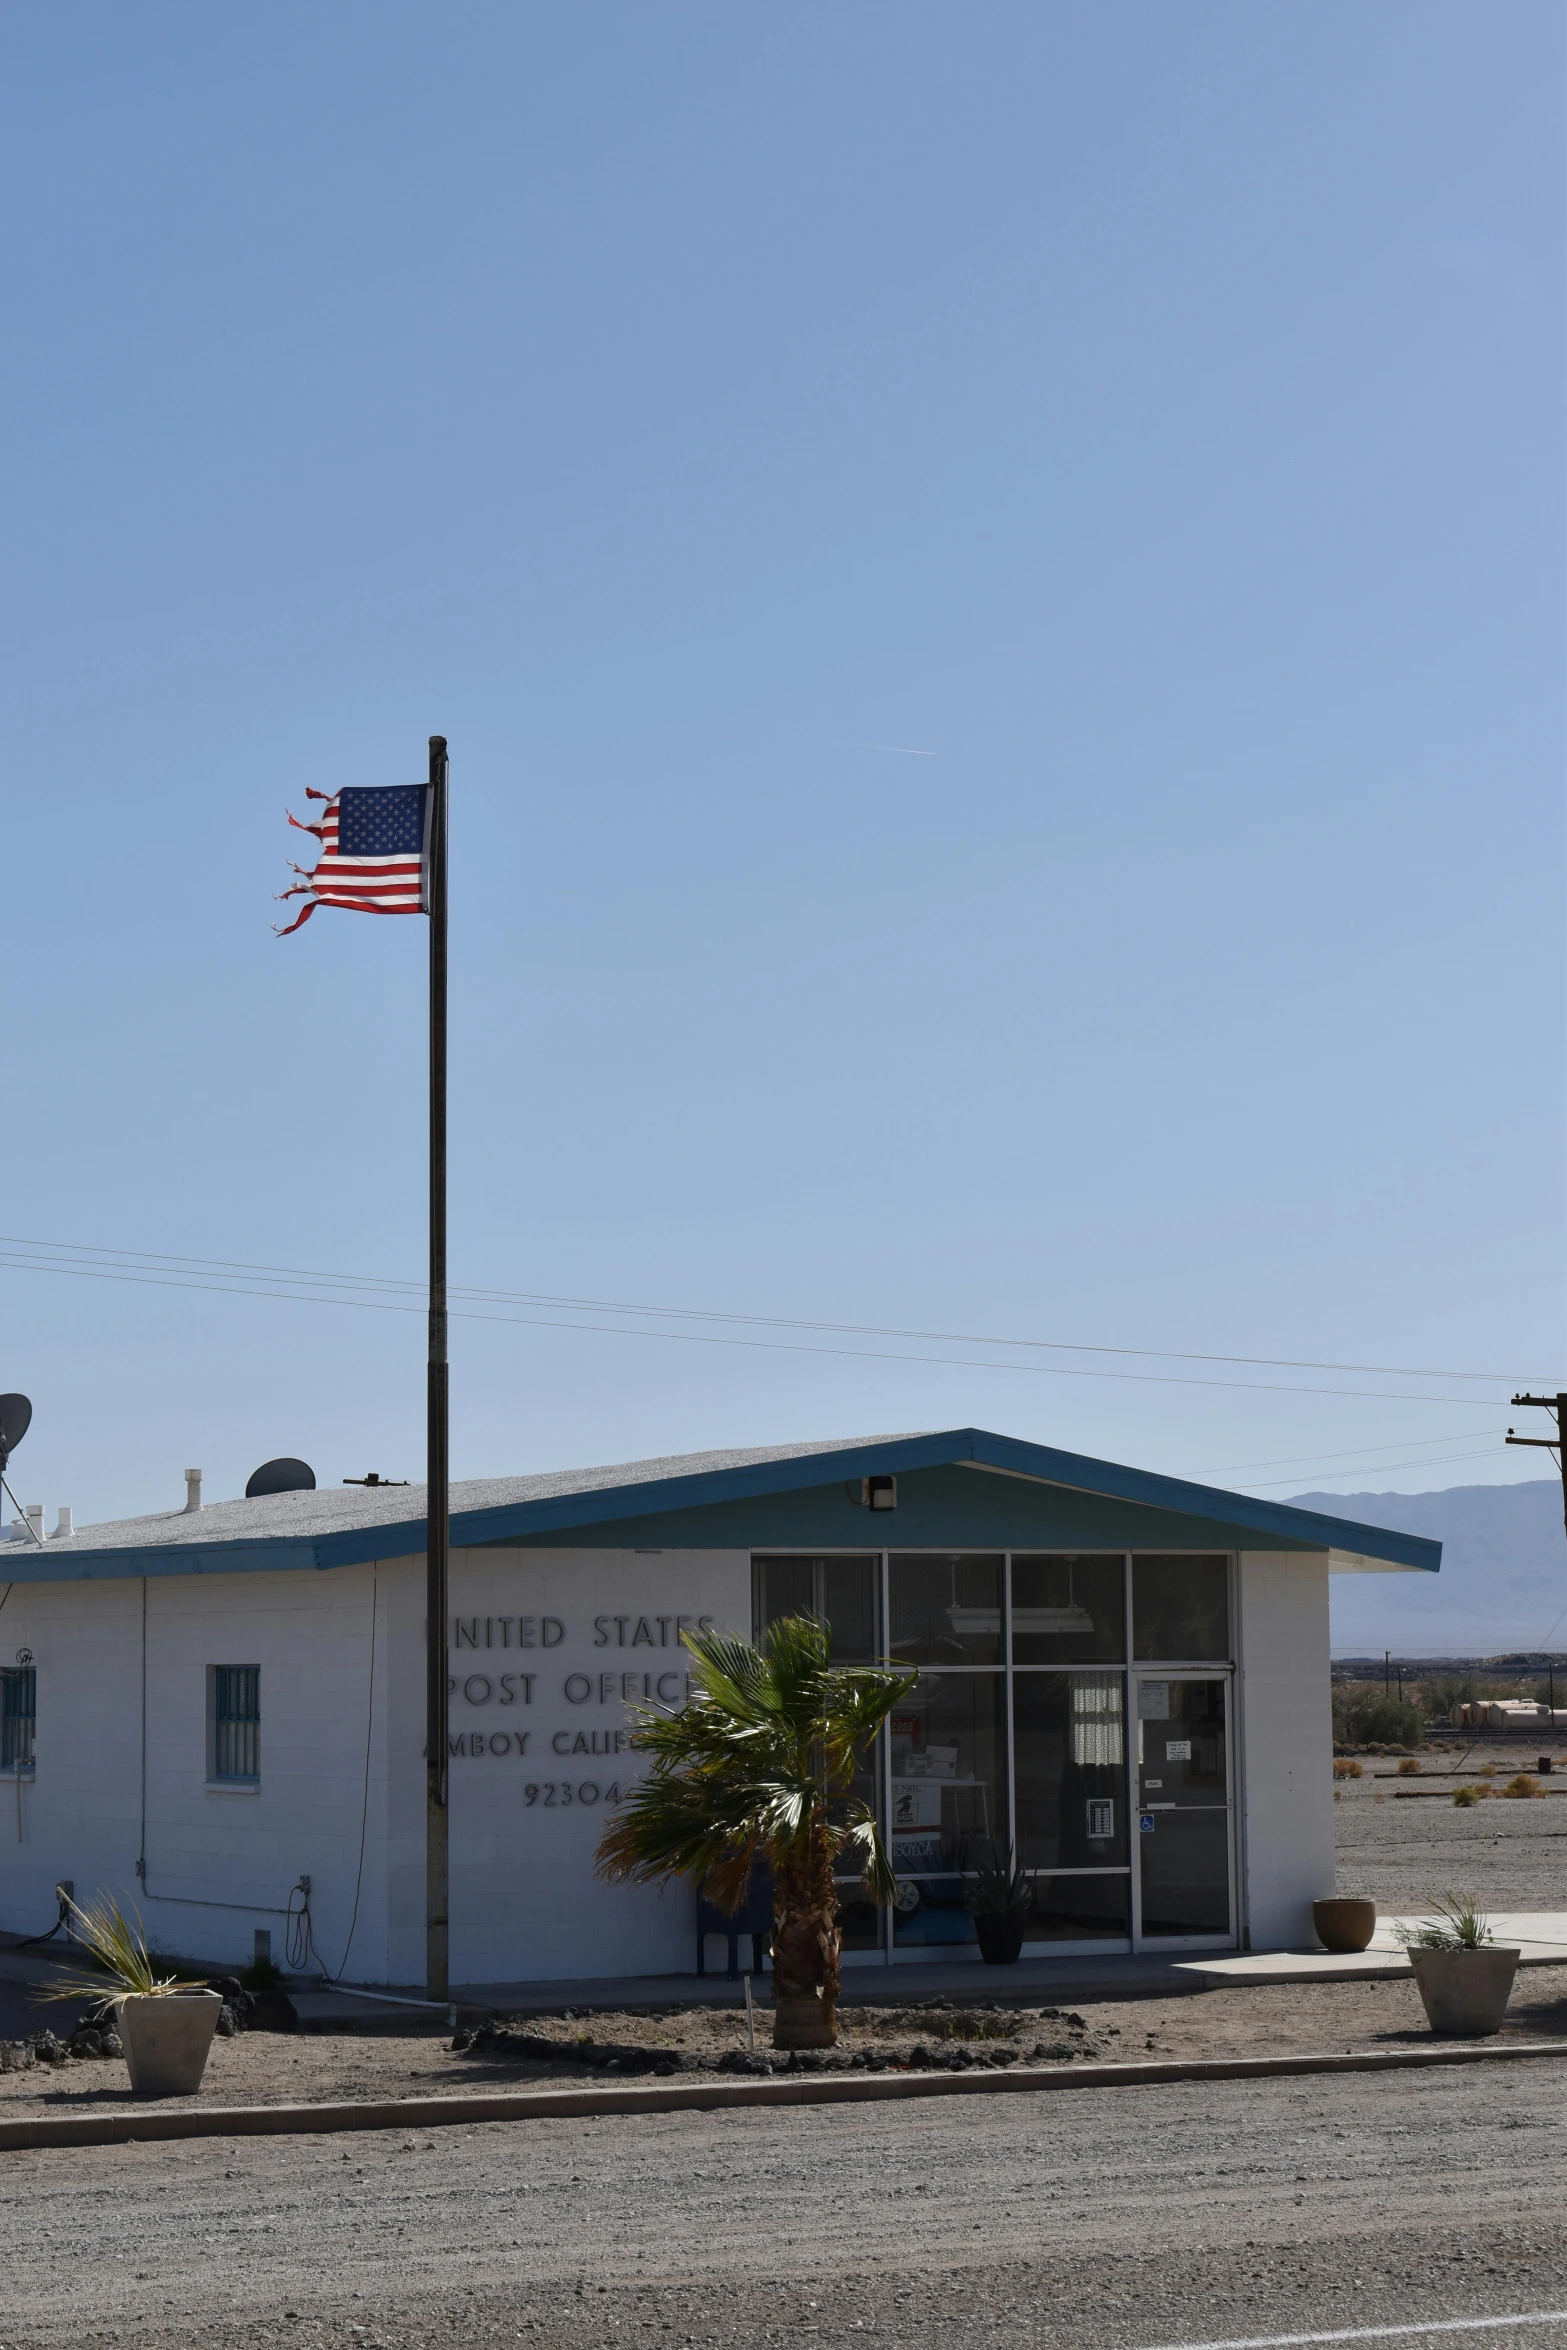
x: 147, y: 2123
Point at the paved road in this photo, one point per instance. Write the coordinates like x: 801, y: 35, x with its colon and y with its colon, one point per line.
x: 1124, y: 2218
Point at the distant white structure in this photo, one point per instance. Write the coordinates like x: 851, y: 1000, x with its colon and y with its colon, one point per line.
x: 1509, y: 1713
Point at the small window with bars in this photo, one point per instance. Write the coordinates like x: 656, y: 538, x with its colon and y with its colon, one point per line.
x: 236, y: 1722
x: 18, y: 1716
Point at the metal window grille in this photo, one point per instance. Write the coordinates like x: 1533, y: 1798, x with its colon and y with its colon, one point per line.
x: 18, y: 1716
x: 237, y: 1723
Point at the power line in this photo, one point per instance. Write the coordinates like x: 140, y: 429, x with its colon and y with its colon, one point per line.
x: 206, y: 1288
x: 1295, y: 1459
x: 1373, y: 1468
x: 191, y: 1272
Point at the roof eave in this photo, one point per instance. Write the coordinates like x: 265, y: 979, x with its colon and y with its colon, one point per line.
x: 1371, y: 1549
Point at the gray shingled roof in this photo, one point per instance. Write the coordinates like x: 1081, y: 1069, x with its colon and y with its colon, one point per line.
x: 347, y: 1508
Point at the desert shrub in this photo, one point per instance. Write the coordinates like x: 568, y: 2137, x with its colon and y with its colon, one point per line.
x: 1523, y: 1784
x: 1464, y: 1797
x: 1409, y: 1768
x: 1346, y: 1767
x: 1364, y: 1717
x: 1488, y: 1770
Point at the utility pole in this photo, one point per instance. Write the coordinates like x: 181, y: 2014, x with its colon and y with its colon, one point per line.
x: 437, y: 1455
x: 1556, y: 1405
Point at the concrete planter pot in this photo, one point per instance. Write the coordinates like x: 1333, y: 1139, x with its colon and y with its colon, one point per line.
x: 166, y: 2038
x: 1343, y: 1923
x: 1465, y: 1992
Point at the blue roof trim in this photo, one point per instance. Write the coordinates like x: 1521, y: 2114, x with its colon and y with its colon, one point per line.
x: 1312, y: 1528
x: 1305, y: 1529
x: 55, y: 1564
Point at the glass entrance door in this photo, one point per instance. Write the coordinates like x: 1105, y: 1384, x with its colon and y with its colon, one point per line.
x: 1183, y: 1805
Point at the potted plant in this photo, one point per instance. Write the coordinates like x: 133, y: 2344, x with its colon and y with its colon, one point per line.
x: 760, y: 1765
x: 1344, y: 1922
x: 1000, y: 1899
x: 165, y: 2025
x: 1465, y: 1980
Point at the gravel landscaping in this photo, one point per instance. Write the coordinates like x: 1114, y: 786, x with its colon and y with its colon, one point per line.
x: 541, y: 2051
x: 1402, y: 1841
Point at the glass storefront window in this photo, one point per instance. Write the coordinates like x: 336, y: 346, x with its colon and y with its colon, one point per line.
x: 1069, y: 1753
x: 842, y: 1591
x: 784, y: 1587
x: 1081, y: 1909
x: 849, y: 1604
x: 948, y: 1799
x: 1181, y: 1609
x: 1069, y: 1611
x: 1066, y: 1799
x: 946, y: 1611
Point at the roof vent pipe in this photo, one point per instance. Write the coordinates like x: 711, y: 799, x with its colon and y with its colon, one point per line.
x: 192, y: 1489
x: 35, y: 1519
x: 63, y: 1527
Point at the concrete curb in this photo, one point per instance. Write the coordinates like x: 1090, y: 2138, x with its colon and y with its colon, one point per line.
x: 146, y: 2123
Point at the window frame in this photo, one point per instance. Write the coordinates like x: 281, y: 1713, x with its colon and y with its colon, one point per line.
x: 233, y: 1735
x: 22, y: 1759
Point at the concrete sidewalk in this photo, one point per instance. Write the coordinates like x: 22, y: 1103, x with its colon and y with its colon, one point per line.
x: 1541, y: 1935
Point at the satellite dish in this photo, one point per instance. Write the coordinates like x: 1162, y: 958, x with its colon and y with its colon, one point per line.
x: 16, y: 1415
x: 281, y: 1476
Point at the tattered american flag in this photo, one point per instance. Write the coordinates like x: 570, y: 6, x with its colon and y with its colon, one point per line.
x: 375, y: 853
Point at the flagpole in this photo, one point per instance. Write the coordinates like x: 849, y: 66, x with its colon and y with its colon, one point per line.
x: 437, y: 1448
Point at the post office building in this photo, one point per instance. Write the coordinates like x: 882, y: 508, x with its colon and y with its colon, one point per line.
x: 1123, y: 1682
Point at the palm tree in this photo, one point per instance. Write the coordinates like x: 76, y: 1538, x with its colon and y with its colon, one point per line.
x: 759, y: 1765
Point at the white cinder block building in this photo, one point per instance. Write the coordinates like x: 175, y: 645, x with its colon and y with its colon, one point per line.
x: 219, y: 1714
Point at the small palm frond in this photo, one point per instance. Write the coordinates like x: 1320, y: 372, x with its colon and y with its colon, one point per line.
x: 859, y: 1840
x: 798, y: 1650
x: 859, y: 1699
x: 686, y: 1825
x: 732, y: 1675
x: 120, y: 1949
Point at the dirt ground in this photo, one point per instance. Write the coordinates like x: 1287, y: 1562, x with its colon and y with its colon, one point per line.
x: 1402, y: 1840
x: 1108, y: 2220
x: 267, y: 2068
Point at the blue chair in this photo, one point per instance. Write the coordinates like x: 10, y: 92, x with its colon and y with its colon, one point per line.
x: 753, y: 1917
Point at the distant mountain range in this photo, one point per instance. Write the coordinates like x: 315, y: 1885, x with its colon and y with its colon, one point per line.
x: 1503, y: 1583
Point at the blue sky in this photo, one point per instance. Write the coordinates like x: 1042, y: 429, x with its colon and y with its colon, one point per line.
x: 1142, y: 424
